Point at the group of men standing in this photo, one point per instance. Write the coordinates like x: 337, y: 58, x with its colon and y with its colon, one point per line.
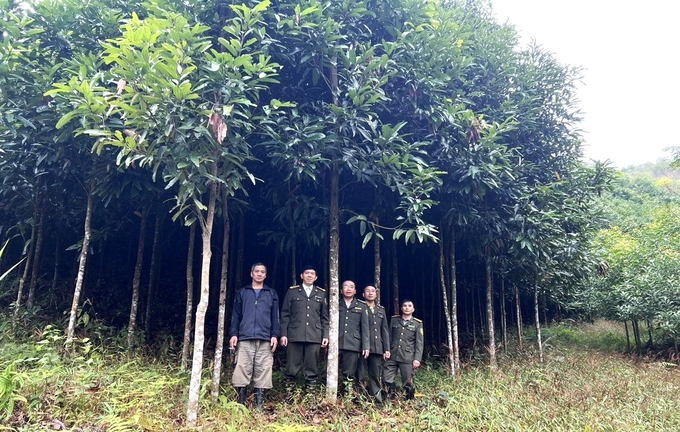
x: 367, y: 342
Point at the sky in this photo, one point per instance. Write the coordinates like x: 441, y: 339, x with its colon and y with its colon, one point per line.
x: 630, y: 55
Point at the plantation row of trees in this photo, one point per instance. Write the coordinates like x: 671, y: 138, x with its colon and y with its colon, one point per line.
x: 409, y: 144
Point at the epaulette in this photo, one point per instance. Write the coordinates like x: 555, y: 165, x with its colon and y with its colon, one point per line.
x: 320, y: 289
x: 396, y: 316
x: 295, y: 287
x: 417, y: 320
x: 381, y: 306
x: 361, y: 301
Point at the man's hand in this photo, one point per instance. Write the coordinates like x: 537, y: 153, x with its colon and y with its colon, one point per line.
x: 365, y: 353
x: 416, y: 364
x: 274, y: 343
x: 386, y: 355
x: 233, y: 341
x: 284, y: 341
x: 324, y: 342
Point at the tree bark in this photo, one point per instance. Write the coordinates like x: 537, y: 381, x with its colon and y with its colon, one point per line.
x: 489, y: 309
x: 57, y: 259
x: 202, y: 307
x: 537, y: 319
x: 454, y: 300
x: 81, y: 268
x: 134, y: 304
x: 240, y: 252
x: 40, y: 212
x: 334, y: 288
x: 447, y: 313
x: 518, y: 311
x: 625, y: 323
x: 186, y: 342
x: 219, y: 346
x: 153, y: 272
x: 377, y: 262
x: 504, y: 315
x: 395, y: 278
x: 27, y: 267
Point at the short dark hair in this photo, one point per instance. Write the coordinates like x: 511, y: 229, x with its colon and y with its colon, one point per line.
x: 252, y: 268
x: 407, y: 300
x: 308, y: 267
x: 372, y: 286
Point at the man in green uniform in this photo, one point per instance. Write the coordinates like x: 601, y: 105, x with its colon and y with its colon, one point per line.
x: 304, y: 327
x: 352, y: 332
x: 406, y: 350
x: 379, y: 343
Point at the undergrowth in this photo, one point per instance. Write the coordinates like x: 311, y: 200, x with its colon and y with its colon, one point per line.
x: 585, y: 383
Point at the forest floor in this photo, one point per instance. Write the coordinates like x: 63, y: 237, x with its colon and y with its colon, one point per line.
x: 585, y: 383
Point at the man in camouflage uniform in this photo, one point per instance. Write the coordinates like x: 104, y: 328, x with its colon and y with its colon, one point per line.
x: 379, y: 343
x: 304, y: 328
x: 406, y: 350
x: 352, y: 333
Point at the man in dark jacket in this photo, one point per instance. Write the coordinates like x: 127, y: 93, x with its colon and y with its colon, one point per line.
x: 255, y: 330
x: 304, y: 327
x: 352, y: 333
x: 379, y: 338
x: 406, y: 350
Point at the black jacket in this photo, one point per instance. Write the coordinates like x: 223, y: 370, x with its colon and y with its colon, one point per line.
x: 255, y: 318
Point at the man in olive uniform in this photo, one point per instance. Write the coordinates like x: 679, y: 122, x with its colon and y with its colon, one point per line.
x: 353, y: 332
x: 304, y: 327
x: 379, y: 343
x: 406, y: 350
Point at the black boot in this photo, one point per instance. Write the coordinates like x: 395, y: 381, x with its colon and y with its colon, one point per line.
x: 259, y: 398
x: 410, y: 393
x: 389, y: 391
x: 242, y: 393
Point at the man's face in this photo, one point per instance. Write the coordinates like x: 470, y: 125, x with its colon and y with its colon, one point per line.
x: 370, y: 293
x: 348, y: 289
x: 407, y: 308
x: 259, y: 273
x: 308, y: 277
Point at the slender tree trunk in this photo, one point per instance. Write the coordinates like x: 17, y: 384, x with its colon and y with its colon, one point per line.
x: 625, y: 323
x: 537, y: 319
x: 241, y: 250
x: 24, y: 275
x: 40, y: 212
x: 449, y: 329
x: 186, y: 342
x: 489, y: 309
x: 81, y: 268
x: 454, y: 299
x: 504, y: 314
x: 334, y: 289
x: 219, y: 346
x: 293, y: 263
x: 649, y: 331
x: 202, y: 307
x: 134, y: 304
x: 377, y: 262
x: 153, y: 272
x: 518, y: 311
x: 395, y: 278
x: 57, y: 259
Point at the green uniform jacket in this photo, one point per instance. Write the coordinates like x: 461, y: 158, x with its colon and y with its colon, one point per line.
x: 407, y: 340
x: 304, y: 319
x: 353, y: 331
x: 379, y: 330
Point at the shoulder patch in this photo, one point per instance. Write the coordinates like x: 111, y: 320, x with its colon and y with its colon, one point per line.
x: 417, y: 320
x: 295, y: 287
x: 396, y: 316
x: 381, y: 307
x: 320, y: 289
x: 361, y: 301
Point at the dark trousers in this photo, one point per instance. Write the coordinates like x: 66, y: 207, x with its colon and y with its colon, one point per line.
x: 373, y: 365
x: 406, y: 369
x: 302, y: 356
x: 348, y: 361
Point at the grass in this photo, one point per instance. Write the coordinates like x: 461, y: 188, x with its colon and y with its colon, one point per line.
x: 585, y: 384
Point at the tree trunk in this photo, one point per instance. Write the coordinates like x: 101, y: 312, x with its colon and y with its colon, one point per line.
x: 24, y: 275
x: 81, y: 268
x: 377, y: 261
x: 454, y: 299
x: 219, y: 345
x: 537, y: 319
x: 240, y: 252
x: 334, y: 289
x: 504, y: 319
x: 625, y: 323
x: 57, y: 259
x: 202, y: 307
x: 518, y: 311
x: 40, y: 212
x: 190, y: 297
x: 293, y: 263
x: 489, y: 309
x: 647, y: 322
x: 153, y: 272
x: 395, y: 278
x: 449, y: 329
x: 134, y: 304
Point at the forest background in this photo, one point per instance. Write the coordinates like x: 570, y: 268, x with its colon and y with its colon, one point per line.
x: 407, y: 144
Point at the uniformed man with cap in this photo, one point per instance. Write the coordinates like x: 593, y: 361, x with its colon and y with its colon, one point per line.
x: 304, y: 327
x: 379, y: 343
x: 353, y: 338
x: 406, y: 350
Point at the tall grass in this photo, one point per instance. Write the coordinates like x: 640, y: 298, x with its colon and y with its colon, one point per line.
x: 586, y: 384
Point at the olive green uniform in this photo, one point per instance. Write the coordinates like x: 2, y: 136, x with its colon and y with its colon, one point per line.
x: 352, y: 336
x: 304, y: 321
x: 407, y: 341
x: 379, y: 337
